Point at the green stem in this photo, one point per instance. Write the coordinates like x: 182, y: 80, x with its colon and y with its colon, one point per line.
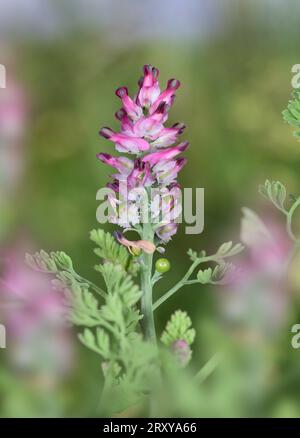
x: 146, y: 284
x: 290, y: 218
x: 97, y: 289
x: 208, y: 368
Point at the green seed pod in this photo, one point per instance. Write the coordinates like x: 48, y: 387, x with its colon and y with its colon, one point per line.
x: 162, y: 265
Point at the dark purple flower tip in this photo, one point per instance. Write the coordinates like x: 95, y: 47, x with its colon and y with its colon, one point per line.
x: 155, y: 72
x: 106, y: 132
x: 174, y: 185
x: 148, y: 69
x: 162, y: 108
x: 141, y: 81
x: 114, y: 186
x: 172, y: 98
x: 183, y: 146
x: 173, y: 83
x: 180, y: 127
x: 181, y: 161
x: 121, y: 92
x: 117, y: 235
x: 103, y: 156
x: 120, y: 114
x: 139, y: 164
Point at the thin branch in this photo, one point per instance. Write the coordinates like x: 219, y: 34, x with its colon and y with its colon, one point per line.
x: 185, y: 279
x: 208, y: 368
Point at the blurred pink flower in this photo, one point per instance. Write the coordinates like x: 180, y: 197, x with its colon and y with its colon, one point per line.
x: 13, y: 117
x: 258, y: 296
x: 33, y: 312
x: 267, y: 241
x: 13, y: 111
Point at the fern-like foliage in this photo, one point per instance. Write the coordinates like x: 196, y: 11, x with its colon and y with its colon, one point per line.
x: 118, y: 314
x: 275, y: 192
x: 60, y: 265
x: 178, y: 328
x: 220, y: 274
x: 228, y: 249
x: 110, y: 327
x: 292, y: 114
x: 108, y: 249
x: 223, y: 270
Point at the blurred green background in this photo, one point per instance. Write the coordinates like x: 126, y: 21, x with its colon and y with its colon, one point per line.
x: 234, y: 61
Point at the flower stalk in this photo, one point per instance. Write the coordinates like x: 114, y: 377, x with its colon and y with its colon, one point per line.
x: 146, y: 286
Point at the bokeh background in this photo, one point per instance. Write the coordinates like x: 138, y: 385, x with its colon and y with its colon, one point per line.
x: 64, y: 58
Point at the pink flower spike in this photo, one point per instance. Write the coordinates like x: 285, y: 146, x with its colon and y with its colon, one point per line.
x: 156, y: 158
x: 135, y: 246
x: 167, y: 95
x: 132, y: 109
x: 166, y: 154
x: 125, y: 143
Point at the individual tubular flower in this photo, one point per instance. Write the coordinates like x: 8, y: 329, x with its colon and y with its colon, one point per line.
x: 125, y: 143
x: 166, y: 232
x: 157, y: 160
x: 135, y: 246
x: 149, y: 87
x: 123, y: 164
x: 133, y: 110
x: 167, y: 96
x: 140, y: 175
x: 165, y: 154
x: 168, y: 136
x: 166, y: 170
x: 166, y: 205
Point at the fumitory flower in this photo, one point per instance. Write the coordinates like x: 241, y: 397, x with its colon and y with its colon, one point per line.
x: 135, y: 246
x: 152, y: 162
